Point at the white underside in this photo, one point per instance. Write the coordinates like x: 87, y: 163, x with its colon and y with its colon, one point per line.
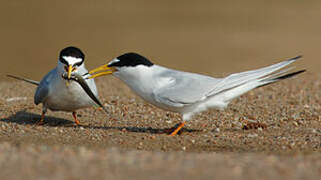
x: 67, y: 98
x: 63, y: 97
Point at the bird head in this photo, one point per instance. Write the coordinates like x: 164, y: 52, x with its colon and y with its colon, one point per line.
x: 71, y: 58
x: 121, y: 64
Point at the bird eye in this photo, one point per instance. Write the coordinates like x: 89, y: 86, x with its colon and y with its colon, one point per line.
x: 78, y: 64
x: 62, y: 60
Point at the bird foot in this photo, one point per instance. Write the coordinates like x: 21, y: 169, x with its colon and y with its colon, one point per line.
x: 77, y: 123
x: 41, y: 122
x: 177, y: 129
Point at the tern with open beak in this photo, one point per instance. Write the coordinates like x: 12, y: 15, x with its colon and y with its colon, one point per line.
x: 188, y: 93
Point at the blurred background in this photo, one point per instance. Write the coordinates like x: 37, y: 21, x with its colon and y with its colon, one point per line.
x: 209, y: 36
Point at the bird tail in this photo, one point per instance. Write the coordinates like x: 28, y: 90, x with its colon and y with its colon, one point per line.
x: 279, y: 77
x: 24, y: 79
x: 237, y: 84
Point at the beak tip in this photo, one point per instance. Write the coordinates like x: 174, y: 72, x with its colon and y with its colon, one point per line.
x: 102, y: 70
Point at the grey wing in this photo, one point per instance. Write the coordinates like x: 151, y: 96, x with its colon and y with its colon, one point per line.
x: 43, y: 88
x: 184, y: 88
x: 188, y: 88
x: 261, y: 76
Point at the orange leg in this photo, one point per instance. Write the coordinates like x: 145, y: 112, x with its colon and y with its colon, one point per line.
x: 41, y: 121
x: 180, y: 126
x: 75, y: 118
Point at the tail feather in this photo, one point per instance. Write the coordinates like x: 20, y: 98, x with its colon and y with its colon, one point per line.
x: 24, y: 79
x: 289, y: 75
x: 278, y: 78
x: 258, y: 75
x: 237, y: 84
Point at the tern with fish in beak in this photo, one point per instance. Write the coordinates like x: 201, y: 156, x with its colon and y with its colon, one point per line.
x: 59, y: 93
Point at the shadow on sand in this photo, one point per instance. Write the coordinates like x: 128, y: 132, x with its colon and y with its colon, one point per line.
x: 27, y: 118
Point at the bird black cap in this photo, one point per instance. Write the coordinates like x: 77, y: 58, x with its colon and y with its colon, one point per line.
x: 73, y: 52
x: 130, y: 60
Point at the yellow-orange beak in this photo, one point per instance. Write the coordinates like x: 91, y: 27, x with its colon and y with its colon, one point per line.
x: 69, y: 71
x: 101, y: 71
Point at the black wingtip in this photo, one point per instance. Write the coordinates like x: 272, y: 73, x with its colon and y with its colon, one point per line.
x: 290, y: 75
x: 24, y: 79
x: 282, y: 77
x: 14, y: 77
x: 296, y: 58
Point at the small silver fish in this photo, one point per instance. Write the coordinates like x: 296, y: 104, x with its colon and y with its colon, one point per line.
x: 78, y: 78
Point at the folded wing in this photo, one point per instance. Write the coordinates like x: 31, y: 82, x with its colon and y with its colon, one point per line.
x: 188, y: 88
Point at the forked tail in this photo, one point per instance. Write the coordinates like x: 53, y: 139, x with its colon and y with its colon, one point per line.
x: 239, y: 83
x: 271, y: 80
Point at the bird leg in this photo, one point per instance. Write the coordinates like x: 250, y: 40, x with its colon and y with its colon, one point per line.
x: 180, y: 126
x: 74, y: 114
x: 41, y: 121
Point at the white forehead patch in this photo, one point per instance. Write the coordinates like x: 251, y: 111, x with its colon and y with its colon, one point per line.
x: 113, y: 61
x: 72, y: 60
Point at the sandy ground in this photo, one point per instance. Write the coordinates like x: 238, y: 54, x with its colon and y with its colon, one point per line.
x: 270, y: 132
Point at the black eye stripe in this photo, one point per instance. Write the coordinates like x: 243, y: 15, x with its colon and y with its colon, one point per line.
x: 62, y: 60
x: 79, y: 63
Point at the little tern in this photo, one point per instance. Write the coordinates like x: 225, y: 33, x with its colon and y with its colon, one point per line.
x: 187, y: 93
x: 58, y: 94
